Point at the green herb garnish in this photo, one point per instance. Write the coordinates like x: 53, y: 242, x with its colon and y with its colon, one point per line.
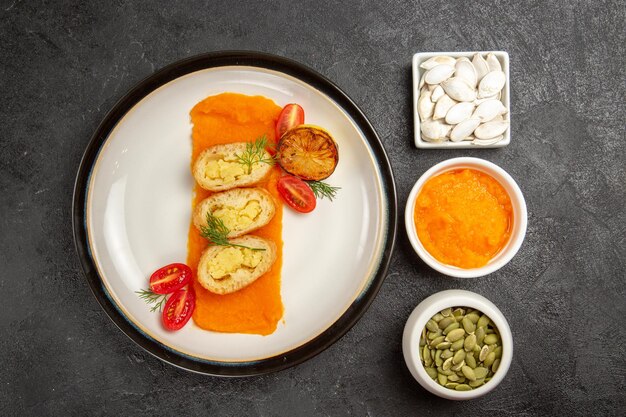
x: 216, y: 232
x: 323, y: 190
x: 150, y: 297
x: 255, y: 154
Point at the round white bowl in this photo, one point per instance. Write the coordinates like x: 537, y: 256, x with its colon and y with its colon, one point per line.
x: 518, y: 230
x: 425, y: 311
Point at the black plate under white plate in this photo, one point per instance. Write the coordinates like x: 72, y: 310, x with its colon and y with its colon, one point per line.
x: 132, y: 207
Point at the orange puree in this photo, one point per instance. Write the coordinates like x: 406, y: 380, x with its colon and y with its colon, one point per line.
x: 257, y: 308
x: 463, y: 217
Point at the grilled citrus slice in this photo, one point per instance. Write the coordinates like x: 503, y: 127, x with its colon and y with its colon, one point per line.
x: 308, y: 152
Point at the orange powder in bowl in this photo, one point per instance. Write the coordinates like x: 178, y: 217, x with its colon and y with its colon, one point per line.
x: 463, y: 217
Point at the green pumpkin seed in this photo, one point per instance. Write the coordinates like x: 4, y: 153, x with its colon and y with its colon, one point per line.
x: 481, y: 372
x: 496, y: 365
x: 446, y: 313
x: 446, y: 372
x: 470, y: 360
x: 458, y: 366
x: 473, y: 317
x: 463, y: 387
x: 432, y: 325
x: 446, y: 353
x: 437, y: 317
x: 426, y: 356
x: 437, y: 340
x: 477, y: 383
x: 470, y: 342
x: 462, y: 379
x: 468, y: 372
x: 457, y: 345
x: 432, y: 372
x: 489, y: 330
x: 443, y: 345
x: 442, y: 379
x: 498, y: 352
x: 451, y: 327
x: 458, y: 357
x: 476, y: 348
x: 458, y: 312
x: 483, y: 353
x: 483, y: 321
x: 480, y: 335
x: 453, y: 377
x: 489, y: 359
x: 447, y: 364
x: 468, y: 325
x: 455, y: 335
x: 434, y: 335
x: 438, y: 360
x: 451, y: 385
x: 446, y: 322
x: 491, y: 339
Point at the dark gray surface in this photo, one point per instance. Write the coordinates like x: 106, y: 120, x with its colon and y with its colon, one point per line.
x: 63, y: 67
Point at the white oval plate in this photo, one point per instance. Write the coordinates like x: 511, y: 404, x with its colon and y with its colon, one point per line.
x: 132, y: 208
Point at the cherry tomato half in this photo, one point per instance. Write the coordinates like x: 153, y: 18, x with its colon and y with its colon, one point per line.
x: 292, y: 115
x: 170, y: 278
x: 179, y: 308
x: 296, y: 193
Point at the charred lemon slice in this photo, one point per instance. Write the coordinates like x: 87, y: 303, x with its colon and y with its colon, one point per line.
x: 308, y: 152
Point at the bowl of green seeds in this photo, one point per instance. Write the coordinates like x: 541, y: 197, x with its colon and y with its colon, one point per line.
x: 457, y: 344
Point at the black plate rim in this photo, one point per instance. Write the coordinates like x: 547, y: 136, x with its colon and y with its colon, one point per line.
x: 145, y: 87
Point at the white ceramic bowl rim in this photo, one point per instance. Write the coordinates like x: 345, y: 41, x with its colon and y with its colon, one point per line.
x: 428, y: 308
x: 520, y: 220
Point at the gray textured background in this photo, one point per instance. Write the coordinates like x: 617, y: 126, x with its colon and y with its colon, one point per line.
x: 64, y: 64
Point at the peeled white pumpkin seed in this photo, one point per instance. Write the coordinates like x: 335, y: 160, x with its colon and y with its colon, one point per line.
x: 488, y: 110
x: 443, y: 105
x: 481, y: 66
x: 439, y: 74
x: 434, y: 130
x: 459, y: 112
x: 458, y: 89
x: 490, y: 130
x: 437, y: 94
x: 437, y: 60
x: 464, y: 129
x: 493, y: 63
x: 465, y: 70
x: 425, y: 106
x: 491, y: 84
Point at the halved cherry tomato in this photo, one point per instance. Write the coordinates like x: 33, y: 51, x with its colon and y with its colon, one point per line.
x: 170, y: 278
x: 179, y: 308
x: 292, y: 115
x: 296, y: 193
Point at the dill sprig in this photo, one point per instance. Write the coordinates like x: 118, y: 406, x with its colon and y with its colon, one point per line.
x: 216, y: 232
x: 323, y: 190
x: 150, y: 297
x: 255, y: 154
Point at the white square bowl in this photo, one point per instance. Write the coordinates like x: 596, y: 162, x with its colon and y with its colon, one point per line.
x: 420, y: 57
